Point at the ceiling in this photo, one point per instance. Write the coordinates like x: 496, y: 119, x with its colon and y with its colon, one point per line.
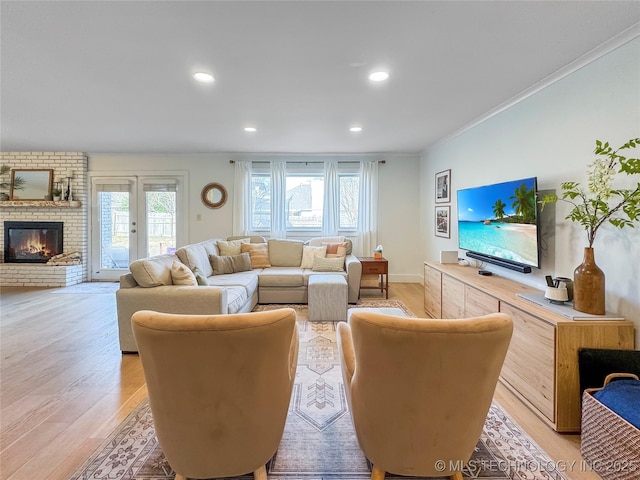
x: 116, y: 76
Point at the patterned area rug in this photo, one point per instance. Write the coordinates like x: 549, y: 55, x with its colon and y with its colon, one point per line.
x: 318, y: 441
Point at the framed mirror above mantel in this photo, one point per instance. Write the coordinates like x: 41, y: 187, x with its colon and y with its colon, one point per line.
x: 31, y: 184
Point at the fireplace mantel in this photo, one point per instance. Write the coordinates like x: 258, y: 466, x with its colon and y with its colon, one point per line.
x: 40, y: 204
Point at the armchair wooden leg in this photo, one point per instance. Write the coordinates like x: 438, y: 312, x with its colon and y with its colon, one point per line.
x: 180, y: 477
x: 260, y: 473
x: 456, y: 476
x: 377, y: 473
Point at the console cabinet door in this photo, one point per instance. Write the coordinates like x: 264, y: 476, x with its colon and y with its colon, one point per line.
x: 477, y: 303
x: 452, y: 297
x: 432, y: 292
x: 529, y: 365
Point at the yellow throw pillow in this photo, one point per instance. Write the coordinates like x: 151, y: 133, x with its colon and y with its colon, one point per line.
x: 335, y: 250
x: 181, y: 275
x: 259, y: 253
x: 231, y: 247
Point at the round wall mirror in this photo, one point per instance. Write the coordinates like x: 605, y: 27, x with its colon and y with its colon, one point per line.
x: 214, y: 195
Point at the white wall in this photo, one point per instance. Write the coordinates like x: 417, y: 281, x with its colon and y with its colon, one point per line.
x: 399, y: 191
x: 551, y: 135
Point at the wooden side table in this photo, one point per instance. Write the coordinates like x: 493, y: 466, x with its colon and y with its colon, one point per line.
x: 375, y: 266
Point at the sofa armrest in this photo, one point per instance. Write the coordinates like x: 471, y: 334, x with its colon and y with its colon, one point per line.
x: 127, y: 281
x: 201, y: 300
x: 354, y: 273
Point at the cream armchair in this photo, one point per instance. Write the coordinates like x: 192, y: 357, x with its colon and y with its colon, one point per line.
x: 419, y: 390
x: 219, y: 387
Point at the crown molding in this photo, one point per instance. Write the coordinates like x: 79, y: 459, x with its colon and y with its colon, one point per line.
x: 601, y: 50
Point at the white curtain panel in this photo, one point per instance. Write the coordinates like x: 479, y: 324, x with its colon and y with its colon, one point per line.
x: 367, y: 237
x: 242, y: 199
x: 278, y: 199
x: 331, y: 207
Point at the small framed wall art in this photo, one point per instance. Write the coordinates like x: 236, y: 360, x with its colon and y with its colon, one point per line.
x: 443, y: 186
x: 443, y: 214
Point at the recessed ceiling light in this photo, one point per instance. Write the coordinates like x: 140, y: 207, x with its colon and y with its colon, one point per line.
x: 250, y: 129
x: 355, y: 128
x: 379, y: 76
x: 203, y: 77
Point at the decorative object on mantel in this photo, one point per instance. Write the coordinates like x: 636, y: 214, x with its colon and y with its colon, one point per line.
x: 73, y: 258
x: 18, y: 183
x: 68, y: 176
x: 57, y: 194
x: 600, y: 203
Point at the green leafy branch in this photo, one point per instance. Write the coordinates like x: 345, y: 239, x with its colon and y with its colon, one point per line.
x: 18, y: 182
x: 601, y: 203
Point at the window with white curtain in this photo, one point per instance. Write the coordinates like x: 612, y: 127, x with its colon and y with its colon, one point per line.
x: 305, y: 198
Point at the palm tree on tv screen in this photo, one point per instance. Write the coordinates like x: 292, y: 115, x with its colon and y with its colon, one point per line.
x: 498, y: 209
x: 524, y: 203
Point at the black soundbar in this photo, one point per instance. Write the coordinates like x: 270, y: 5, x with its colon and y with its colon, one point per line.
x: 501, y: 263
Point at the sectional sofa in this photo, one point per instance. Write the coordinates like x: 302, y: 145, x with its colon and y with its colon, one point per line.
x: 232, y: 275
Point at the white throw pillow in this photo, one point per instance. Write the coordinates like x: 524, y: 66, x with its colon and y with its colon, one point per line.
x: 309, y: 253
x: 181, y: 275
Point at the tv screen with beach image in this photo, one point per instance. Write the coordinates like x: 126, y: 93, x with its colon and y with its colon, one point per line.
x: 500, y: 220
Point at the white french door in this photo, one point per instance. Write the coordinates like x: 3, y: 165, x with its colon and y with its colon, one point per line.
x: 134, y: 217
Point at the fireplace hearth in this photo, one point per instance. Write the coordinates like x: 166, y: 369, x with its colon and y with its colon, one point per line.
x: 32, y: 242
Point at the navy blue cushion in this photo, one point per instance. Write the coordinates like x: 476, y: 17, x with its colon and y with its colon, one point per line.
x: 623, y: 397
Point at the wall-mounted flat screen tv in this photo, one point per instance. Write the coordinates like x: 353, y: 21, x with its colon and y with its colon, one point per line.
x: 499, y: 224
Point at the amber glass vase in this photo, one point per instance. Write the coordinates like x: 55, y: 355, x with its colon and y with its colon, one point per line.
x: 588, y: 285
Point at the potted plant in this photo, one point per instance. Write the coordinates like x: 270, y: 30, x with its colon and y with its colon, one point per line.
x: 18, y: 183
x: 599, y: 203
x: 57, y: 193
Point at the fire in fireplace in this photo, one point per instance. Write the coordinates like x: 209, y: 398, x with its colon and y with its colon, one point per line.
x: 32, y: 242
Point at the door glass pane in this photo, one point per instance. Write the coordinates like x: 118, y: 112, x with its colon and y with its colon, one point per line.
x: 161, y: 222
x: 114, y: 229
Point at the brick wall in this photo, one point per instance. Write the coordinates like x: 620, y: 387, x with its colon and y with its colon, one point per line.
x: 75, y: 219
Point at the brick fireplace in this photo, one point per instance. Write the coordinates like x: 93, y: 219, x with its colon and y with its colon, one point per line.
x: 73, y: 217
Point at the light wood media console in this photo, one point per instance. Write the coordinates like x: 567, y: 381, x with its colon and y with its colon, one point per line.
x: 541, y: 367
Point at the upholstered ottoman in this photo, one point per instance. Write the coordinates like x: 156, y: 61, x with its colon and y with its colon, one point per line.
x: 327, y: 298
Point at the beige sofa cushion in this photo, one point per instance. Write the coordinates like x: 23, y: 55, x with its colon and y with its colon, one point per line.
x: 247, y: 280
x: 252, y: 238
x: 181, y: 275
x: 281, y: 277
x: 339, y: 239
x: 153, y: 271
x: 285, y: 253
x: 197, y: 256
x: 231, y: 247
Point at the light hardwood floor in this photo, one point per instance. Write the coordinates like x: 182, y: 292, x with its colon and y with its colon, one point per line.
x: 65, y: 386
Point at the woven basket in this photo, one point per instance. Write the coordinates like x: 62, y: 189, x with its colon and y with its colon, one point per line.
x: 609, y: 444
